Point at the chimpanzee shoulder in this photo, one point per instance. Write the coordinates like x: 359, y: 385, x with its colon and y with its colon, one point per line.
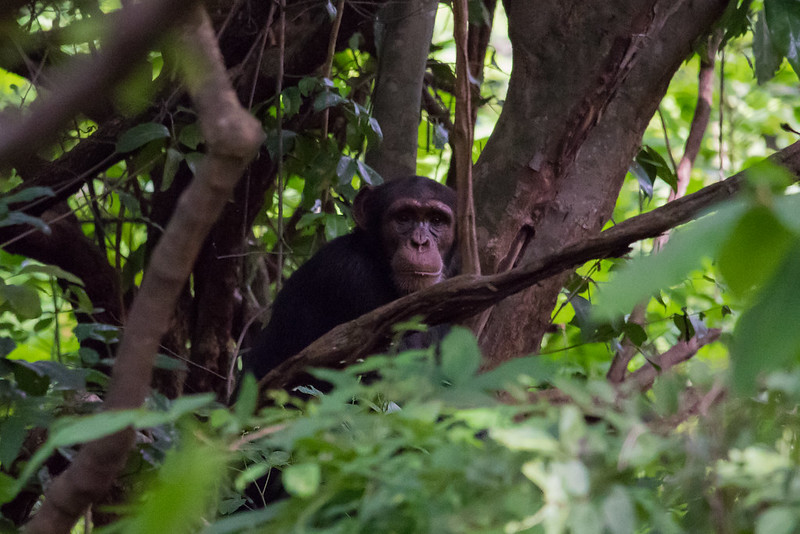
x: 342, y: 281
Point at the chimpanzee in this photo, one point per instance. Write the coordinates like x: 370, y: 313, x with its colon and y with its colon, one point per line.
x: 404, y: 241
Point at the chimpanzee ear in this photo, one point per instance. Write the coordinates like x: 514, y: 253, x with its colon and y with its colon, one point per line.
x: 360, y: 207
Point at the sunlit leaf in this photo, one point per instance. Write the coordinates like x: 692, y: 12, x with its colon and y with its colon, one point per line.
x: 302, y: 480
x: 247, y: 401
x: 51, y: 270
x: 619, y: 512
x: 766, y: 336
x: 759, y: 238
x: 644, y: 276
x: 778, y: 520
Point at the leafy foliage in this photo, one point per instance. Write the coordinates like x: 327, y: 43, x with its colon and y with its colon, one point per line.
x: 427, y: 445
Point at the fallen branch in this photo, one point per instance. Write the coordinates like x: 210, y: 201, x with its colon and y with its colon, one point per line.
x: 463, y: 296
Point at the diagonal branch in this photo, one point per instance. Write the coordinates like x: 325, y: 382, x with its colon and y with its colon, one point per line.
x: 466, y: 295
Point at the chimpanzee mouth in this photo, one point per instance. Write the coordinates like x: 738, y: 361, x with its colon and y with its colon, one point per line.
x: 420, y: 273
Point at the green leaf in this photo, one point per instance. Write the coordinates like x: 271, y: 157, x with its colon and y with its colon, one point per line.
x: 768, y: 60
x: 191, y: 136
x: 171, y: 164
x: 766, y: 336
x: 368, y: 174
x: 288, y: 138
x: 8, y: 488
x: 583, y: 519
x: 51, y: 270
x: 302, y: 480
x: 461, y: 356
x: 308, y: 85
x: 346, y: 169
x: 574, y: 476
x: 644, y: 276
x: 182, y: 494
x: 292, y: 100
x: 140, y: 135
x: 644, y: 179
x: 755, y: 249
x: 30, y: 379
x: 100, y: 332
x: 17, y: 217
x: 69, y: 431
x: 778, y: 520
x: 12, y: 436
x: 654, y: 166
x: 783, y: 21
x: 28, y: 194
x: 684, y: 325
x: 64, y: 378
x: 530, y: 371
x: 247, y: 402
x: 193, y: 160
x: 24, y: 301
x: 327, y: 99
x: 618, y: 512
x: 635, y: 333
x: 249, y: 521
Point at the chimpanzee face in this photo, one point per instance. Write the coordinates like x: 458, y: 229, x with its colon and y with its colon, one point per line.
x: 417, y: 235
x: 413, y: 221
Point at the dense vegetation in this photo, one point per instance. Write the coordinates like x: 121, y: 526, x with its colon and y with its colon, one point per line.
x: 663, y: 392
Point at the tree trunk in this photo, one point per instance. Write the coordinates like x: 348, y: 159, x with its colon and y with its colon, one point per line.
x: 403, y: 48
x: 567, y: 134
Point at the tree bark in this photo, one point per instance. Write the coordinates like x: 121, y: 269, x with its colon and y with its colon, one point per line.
x: 403, y: 52
x: 566, y: 136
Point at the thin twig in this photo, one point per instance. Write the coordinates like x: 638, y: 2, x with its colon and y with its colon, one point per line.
x: 328, y: 66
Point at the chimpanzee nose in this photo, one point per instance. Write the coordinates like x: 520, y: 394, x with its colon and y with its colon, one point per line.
x: 420, y: 239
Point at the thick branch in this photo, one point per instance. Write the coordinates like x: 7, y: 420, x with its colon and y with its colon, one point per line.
x: 233, y: 137
x: 463, y: 296
x: 407, y: 30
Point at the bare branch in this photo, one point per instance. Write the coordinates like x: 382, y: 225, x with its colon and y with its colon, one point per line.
x: 466, y: 295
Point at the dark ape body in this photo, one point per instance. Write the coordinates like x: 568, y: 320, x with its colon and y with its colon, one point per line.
x: 404, y: 241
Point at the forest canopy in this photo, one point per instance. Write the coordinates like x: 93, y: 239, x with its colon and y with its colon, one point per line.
x: 622, y: 356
